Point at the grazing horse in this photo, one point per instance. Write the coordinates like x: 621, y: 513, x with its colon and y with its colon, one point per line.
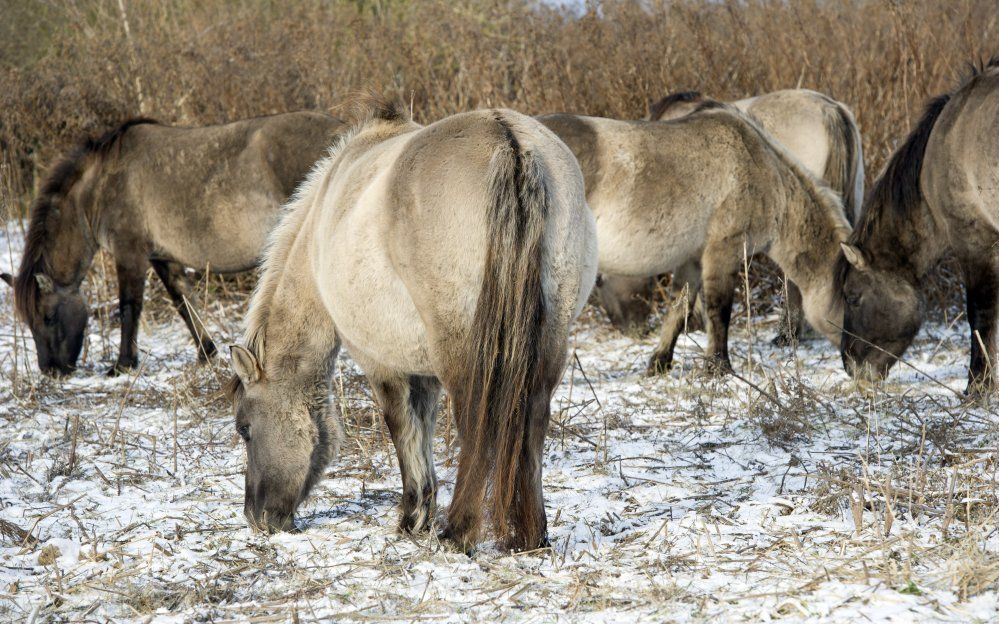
x: 160, y: 196
x: 691, y: 197
x: 456, y: 255
x: 938, y: 195
x: 817, y: 130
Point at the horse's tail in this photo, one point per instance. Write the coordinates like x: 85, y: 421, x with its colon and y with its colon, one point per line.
x: 845, y: 166
x: 507, y: 359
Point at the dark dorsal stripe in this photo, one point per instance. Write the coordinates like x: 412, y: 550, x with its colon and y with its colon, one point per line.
x: 57, y: 183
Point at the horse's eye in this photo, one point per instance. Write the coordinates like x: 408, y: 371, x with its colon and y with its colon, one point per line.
x: 853, y: 300
x: 244, y: 432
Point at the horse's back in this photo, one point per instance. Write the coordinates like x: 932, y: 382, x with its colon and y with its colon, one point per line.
x: 658, y: 186
x: 209, y: 196
x: 406, y: 258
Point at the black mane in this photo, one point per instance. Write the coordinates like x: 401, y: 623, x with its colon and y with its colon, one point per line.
x: 897, y: 195
x: 658, y: 108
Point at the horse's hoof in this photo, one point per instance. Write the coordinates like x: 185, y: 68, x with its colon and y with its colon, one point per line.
x: 447, y: 536
x: 716, y: 368
x: 120, y: 369
x: 979, y: 389
x: 416, y: 521
x: 784, y: 337
x: 659, y: 364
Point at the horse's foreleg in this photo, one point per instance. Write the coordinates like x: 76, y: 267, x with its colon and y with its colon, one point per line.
x: 169, y: 274
x: 687, y: 286
x: 131, y: 285
x: 791, y: 326
x: 528, y: 513
x: 720, y: 278
x: 408, y: 406
x: 982, y: 286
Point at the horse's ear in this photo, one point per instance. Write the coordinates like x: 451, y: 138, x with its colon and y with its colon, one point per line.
x: 7, y: 277
x: 855, y: 256
x: 245, y: 365
x: 45, y: 283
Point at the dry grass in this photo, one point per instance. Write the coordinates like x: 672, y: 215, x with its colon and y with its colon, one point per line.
x: 804, y: 497
x: 81, y: 65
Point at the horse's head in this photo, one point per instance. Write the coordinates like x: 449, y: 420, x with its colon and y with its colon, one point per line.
x: 57, y: 317
x: 290, y: 435
x: 627, y: 301
x: 883, y: 311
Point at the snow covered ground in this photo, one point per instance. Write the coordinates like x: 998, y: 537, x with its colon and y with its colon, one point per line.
x: 789, y: 494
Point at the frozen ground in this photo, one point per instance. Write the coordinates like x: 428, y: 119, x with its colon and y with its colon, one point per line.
x: 672, y: 499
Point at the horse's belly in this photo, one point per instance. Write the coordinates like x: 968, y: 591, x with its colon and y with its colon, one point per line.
x: 228, y: 236
x: 631, y: 245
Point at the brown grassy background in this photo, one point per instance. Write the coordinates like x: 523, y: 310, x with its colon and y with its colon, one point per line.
x: 79, y: 66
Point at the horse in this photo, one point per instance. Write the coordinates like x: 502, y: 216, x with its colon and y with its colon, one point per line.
x: 156, y: 195
x: 817, y: 130
x: 936, y: 197
x: 452, y: 255
x: 692, y: 196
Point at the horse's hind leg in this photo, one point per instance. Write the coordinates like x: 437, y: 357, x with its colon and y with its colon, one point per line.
x: 131, y: 285
x: 529, y: 519
x: 982, y: 286
x: 170, y: 274
x: 464, y: 515
x: 687, y: 280
x: 410, y: 407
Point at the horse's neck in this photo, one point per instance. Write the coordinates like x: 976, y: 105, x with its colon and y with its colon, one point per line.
x: 72, y: 240
x: 810, y: 234
x: 299, y: 334
x: 913, y: 244
x: 807, y: 251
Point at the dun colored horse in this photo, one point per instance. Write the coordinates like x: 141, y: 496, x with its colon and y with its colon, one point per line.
x: 817, y: 130
x: 455, y: 255
x: 160, y: 196
x: 693, y: 196
x: 938, y: 195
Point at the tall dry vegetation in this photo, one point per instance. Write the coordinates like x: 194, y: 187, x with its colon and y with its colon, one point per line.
x: 81, y: 65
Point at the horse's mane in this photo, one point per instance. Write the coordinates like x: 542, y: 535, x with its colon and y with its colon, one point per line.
x: 282, y: 238
x: 658, y: 108
x: 896, y: 195
x: 60, y: 179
